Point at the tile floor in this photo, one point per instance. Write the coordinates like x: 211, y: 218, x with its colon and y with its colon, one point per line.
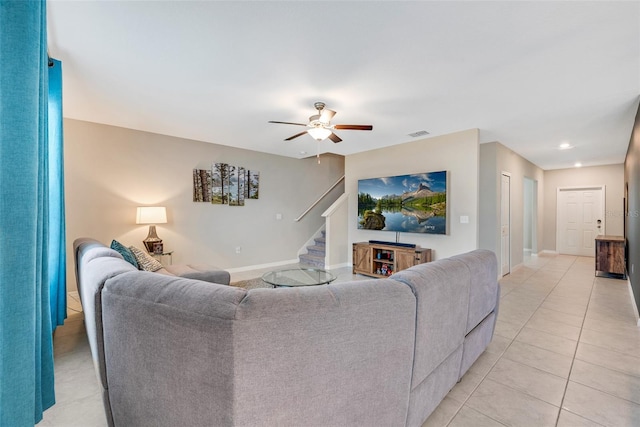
x: 566, y: 352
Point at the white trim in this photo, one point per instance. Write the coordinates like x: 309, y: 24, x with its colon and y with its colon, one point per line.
x: 508, y: 174
x: 633, y: 300
x: 313, y: 205
x: 548, y: 251
x: 261, y: 266
x: 333, y: 267
x: 335, y: 205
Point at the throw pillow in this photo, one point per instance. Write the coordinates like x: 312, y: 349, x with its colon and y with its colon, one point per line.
x: 125, y: 252
x: 145, y: 261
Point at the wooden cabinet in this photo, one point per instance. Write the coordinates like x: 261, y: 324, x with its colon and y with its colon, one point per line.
x: 361, y: 257
x: 610, y: 255
x: 380, y: 260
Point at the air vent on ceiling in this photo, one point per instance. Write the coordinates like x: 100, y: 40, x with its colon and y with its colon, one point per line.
x: 419, y: 133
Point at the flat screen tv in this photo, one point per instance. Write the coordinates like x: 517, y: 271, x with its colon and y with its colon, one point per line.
x: 406, y: 203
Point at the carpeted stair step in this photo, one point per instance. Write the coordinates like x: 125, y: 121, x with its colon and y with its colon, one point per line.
x: 317, y: 250
x: 312, y: 261
x: 320, y: 241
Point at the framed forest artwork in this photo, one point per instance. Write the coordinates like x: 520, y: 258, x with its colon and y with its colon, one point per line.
x: 225, y: 184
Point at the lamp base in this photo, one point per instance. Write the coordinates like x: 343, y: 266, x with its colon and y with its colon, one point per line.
x: 152, y: 238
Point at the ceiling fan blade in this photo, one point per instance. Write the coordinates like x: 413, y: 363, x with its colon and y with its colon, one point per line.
x: 296, y: 135
x: 287, y: 123
x: 335, y: 138
x: 326, y: 115
x: 353, y: 127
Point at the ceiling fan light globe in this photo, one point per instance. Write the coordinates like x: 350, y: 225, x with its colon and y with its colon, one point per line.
x: 319, y: 133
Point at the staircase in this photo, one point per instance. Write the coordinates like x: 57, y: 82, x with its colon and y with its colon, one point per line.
x: 315, y: 253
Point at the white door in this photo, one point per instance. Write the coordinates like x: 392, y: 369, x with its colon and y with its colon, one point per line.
x: 505, y: 224
x: 580, y: 219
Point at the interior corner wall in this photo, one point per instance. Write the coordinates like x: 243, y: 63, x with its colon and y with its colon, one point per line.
x: 496, y: 159
x: 611, y: 176
x: 632, y: 184
x: 456, y: 153
x: 109, y: 171
x: 489, y: 200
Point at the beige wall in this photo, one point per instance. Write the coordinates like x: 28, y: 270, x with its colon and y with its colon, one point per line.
x: 489, y: 199
x: 611, y: 176
x: 109, y: 171
x: 456, y: 153
x: 495, y: 159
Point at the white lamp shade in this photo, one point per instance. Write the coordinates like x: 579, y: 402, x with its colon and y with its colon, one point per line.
x: 319, y: 133
x: 151, y: 215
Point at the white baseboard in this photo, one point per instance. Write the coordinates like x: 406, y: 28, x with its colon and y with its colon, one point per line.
x: 333, y: 267
x: 262, y: 266
x: 547, y: 251
x: 633, y: 301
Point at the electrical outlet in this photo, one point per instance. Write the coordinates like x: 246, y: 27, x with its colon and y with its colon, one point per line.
x: 238, y: 249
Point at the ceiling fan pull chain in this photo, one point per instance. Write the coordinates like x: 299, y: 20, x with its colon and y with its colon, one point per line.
x: 318, y: 151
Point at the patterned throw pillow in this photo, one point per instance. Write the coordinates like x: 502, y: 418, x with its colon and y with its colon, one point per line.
x: 145, y: 261
x: 125, y: 252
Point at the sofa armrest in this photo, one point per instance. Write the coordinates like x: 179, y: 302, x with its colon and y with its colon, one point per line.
x: 204, y: 272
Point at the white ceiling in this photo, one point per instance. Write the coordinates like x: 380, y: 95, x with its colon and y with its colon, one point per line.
x: 530, y: 75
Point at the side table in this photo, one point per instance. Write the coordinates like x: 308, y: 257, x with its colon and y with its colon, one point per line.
x: 159, y: 257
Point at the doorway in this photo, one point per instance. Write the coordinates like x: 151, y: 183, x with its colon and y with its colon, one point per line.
x: 505, y: 223
x: 580, y: 218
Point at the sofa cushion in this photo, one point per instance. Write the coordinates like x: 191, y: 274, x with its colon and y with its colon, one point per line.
x: 125, y: 252
x: 483, y: 270
x: 205, y: 354
x: 94, y: 273
x: 442, y: 293
x: 145, y: 261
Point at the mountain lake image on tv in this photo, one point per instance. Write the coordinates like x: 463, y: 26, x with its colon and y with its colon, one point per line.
x: 406, y: 203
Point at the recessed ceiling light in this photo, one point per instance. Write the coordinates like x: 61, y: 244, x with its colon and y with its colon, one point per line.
x: 564, y: 146
x: 578, y: 165
x: 303, y: 153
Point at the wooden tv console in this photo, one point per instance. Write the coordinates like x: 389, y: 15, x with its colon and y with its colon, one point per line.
x: 380, y: 260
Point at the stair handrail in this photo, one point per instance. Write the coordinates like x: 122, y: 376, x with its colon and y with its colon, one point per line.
x: 313, y: 205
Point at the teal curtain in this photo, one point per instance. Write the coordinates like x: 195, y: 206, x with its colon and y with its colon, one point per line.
x: 26, y: 347
x: 57, y: 243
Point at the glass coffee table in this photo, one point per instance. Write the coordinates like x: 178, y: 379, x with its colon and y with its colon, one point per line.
x: 298, y: 277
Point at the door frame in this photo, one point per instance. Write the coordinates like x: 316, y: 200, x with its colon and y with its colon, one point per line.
x: 534, y: 215
x: 603, y: 198
x: 502, y: 274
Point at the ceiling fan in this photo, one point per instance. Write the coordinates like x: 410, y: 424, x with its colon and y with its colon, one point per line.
x: 321, y: 127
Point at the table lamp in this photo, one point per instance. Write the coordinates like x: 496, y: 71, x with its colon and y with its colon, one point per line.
x: 151, y: 215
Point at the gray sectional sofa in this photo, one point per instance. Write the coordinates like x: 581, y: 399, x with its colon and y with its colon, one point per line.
x: 378, y: 352
x: 95, y: 263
